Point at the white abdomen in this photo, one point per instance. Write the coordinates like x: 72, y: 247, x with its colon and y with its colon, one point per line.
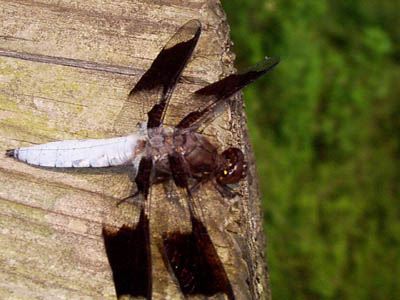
x: 83, y: 153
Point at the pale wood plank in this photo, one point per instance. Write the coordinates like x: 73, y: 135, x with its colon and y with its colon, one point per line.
x: 65, y: 71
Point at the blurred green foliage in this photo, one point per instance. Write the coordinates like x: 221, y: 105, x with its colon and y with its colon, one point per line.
x: 325, y: 126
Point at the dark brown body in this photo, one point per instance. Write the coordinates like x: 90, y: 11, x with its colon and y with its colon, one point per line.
x: 200, y: 156
x: 199, y: 159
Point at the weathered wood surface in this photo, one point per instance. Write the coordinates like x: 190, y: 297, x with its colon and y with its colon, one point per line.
x: 66, y: 68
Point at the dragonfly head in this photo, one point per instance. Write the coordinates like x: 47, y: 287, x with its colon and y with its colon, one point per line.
x: 234, y: 167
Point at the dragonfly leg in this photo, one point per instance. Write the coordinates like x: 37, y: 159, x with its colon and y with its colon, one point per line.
x: 178, y: 170
x: 143, y: 176
x: 225, y: 190
x: 126, y: 198
x: 142, y: 179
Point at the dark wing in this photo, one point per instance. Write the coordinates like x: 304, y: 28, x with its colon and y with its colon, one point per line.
x: 195, y: 262
x: 128, y: 252
x: 192, y: 256
x: 214, y: 94
x: 131, y: 264
x: 157, y: 84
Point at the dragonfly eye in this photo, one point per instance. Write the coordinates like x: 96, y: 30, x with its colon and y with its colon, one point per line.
x: 234, y: 168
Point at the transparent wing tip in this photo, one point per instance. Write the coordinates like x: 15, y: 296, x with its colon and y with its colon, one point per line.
x: 275, y: 59
x: 264, y: 66
x: 268, y: 63
x: 194, y: 23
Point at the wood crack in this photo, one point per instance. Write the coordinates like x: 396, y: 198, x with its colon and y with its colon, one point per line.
x: 88, y: 65
x: 71, y: 62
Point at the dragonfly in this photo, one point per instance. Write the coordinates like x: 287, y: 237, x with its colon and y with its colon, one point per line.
x: 158, y: 153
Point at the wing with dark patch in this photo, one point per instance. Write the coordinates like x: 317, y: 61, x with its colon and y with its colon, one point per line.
x: 192, y: 256
x: 214, y: 94
x: 128, y: 252
x: 129, y: 249
x: 157, y: 84
x: 195, y: 262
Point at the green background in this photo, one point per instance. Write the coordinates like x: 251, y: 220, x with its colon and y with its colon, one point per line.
x: 325, y: 126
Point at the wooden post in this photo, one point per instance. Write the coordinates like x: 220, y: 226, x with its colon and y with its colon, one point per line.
x: 66, y: 69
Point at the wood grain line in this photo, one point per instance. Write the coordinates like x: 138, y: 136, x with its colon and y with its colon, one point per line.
x: 83, y: 64
x: 70, y: 62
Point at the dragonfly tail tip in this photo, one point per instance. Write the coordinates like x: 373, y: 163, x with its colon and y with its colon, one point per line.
x: 10, y: 152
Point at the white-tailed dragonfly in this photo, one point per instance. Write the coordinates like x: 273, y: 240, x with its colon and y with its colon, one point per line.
x: 159, y: 153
